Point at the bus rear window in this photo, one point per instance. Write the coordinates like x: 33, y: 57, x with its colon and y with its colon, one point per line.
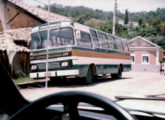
x: 84, y: 40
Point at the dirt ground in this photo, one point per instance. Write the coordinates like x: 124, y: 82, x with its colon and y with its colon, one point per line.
x: 133, y: 83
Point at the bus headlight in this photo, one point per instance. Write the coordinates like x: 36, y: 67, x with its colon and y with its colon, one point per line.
x: 64, y: 64
x: 33, y: 67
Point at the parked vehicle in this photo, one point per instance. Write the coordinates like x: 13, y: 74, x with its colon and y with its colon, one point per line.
x: 77, y: 50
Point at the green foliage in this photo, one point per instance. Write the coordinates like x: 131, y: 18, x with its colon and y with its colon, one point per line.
x: 120, y: 30
x: 94, y: 23
x: 150, y: 23
x: 145, y: 31
x: 147, y: 16
x: 162, y: 28
x: 22, y: 80
x: 79, y: 11
x: 140, y: 21
x: 162, y: 43
x: 84, y: 18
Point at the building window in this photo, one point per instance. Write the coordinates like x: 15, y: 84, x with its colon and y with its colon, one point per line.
x: 145, y: 59
x: 133, y: 58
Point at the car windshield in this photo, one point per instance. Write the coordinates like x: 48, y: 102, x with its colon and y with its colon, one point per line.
x: 115, y: 49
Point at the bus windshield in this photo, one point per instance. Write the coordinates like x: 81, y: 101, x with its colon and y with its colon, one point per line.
x: 58, y: 37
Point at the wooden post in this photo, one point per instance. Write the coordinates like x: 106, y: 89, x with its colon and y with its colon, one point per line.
x: 2, y: 15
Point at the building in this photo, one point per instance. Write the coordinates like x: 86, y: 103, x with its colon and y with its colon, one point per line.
x: 146, y: 56
x: 16, y: 20
x: 130, y: 23
x: 16, y: 45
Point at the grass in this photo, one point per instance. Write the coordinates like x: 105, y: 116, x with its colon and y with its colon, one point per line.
x: 22, y: 80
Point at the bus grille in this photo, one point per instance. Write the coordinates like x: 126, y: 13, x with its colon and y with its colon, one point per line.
x: 51, y: 66
x: 54, y: 65
x: 41, y: 66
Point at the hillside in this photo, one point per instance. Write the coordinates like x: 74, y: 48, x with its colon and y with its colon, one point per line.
x: 150, y: 24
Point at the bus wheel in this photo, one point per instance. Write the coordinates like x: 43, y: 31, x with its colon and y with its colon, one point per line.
x: 90, y: 77
x: 117, y: 75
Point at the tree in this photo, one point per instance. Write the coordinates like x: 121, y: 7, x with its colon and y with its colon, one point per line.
x: 140, y: 21
x: 162, y: 28
x: 84, y: 18
x: 120, y: 30
x: 126, y: 19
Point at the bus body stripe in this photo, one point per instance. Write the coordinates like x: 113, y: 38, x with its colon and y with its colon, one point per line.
x: 101, y: 61
x: 86, y: 52
x: 85, y: 60
x: 93, y: 54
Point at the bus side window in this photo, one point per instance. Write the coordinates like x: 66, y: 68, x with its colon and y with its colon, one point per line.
x: 84, y: 40
x: 103, y: 40
x: 112, y: 42
x: 95, y: 38
x: 119, y: 44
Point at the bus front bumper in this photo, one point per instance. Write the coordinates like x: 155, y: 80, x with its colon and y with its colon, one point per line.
x: 59, y: 73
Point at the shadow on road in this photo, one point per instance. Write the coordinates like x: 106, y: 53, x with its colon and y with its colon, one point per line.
x: 71, y: 82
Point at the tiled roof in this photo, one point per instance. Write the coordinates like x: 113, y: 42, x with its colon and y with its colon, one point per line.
x: 19, y: 34
x: 7, y: 43
x: 39, y: 12
x: 144, y: 39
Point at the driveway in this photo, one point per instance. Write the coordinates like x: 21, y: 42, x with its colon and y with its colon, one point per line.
x: 133, y: 83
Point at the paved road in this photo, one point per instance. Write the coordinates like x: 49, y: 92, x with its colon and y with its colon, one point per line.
x: 133, y: 83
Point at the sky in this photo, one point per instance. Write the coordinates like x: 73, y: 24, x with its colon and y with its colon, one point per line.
x: 108, y: 5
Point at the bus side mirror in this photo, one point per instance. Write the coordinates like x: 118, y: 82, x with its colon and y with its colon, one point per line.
x: 78, y: 35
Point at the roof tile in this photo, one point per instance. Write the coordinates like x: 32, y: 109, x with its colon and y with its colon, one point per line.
x: 39, y: 12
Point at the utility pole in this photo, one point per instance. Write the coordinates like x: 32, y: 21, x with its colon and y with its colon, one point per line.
x: 114, y: 18
x: 47, y: 50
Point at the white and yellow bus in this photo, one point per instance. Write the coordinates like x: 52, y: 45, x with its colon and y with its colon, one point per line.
x: 76, y: 50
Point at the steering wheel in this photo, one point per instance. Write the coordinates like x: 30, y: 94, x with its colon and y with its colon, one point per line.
x: 70, y: 101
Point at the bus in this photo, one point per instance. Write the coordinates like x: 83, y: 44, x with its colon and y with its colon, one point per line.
x: 76, y: 50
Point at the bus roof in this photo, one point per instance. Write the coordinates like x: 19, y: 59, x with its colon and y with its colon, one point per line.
x: 52, y: 24
x: 76, y: 25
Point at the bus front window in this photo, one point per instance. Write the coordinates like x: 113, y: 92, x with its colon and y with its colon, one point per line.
x: 58, y: 37
x: 62, y: 36
x: 35, y: 41
x: 44, y: 41
x: 39, y: 40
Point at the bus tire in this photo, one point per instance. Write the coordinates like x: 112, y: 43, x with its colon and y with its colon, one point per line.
x: 117, y: 75
x: 90, y: 77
